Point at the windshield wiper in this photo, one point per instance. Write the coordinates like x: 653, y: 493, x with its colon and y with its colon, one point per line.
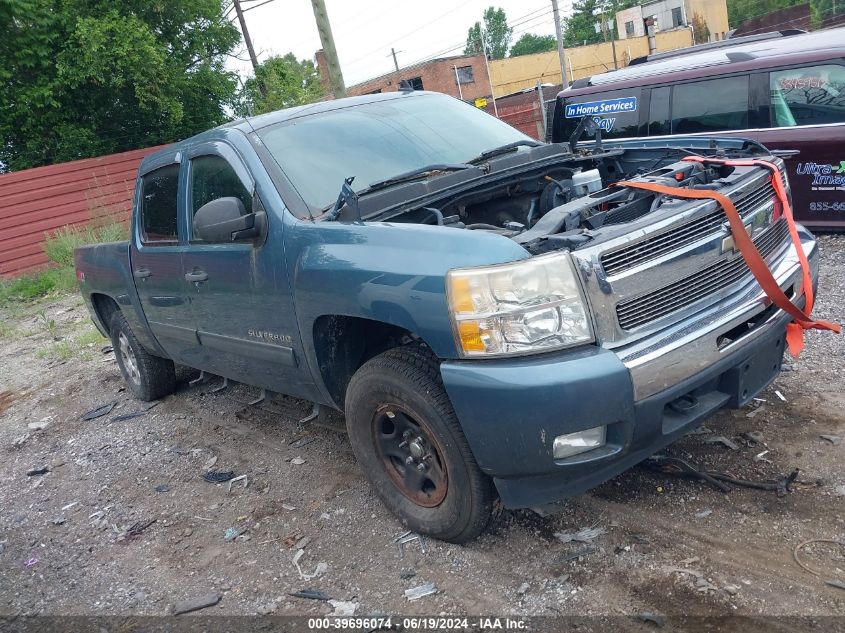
x: 504, y: 149
x: 416, y: 174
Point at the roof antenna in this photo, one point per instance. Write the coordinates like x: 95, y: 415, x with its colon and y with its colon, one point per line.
x: 405, y: 86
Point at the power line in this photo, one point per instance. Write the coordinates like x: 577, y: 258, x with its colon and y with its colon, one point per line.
x: 462, y: 44
x: 399, y: 37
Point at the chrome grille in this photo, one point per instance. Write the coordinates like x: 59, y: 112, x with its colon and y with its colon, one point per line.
x: 659, y: 303
x: 656, y: 246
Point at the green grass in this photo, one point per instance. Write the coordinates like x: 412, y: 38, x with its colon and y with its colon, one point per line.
x: 90, y: 337
x: 80, y: 346
x: 61, y: 278
x: 61, y: 243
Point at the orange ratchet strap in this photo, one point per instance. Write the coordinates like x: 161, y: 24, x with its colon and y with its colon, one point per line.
x: 801, y: 318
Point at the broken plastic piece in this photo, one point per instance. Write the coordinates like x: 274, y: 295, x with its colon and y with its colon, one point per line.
x: 99, y: 411
x: 242, y: 478
x: 584, y: 535
x: 310, y: 594
x: 218, y: 476
x: 420, y: 592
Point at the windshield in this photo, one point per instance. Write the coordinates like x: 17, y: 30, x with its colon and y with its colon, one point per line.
x: 378, y: 140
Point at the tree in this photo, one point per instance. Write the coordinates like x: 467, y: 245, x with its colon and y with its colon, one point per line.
x: 580, y: 27
x: 289, y: 82
x: 498, y: 35
x: 530, y: 43
x: 700, y: 30
x: 82, y: 78
x: 741, y: 10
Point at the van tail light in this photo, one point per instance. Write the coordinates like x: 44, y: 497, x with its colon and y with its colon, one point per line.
x: 80, y: 275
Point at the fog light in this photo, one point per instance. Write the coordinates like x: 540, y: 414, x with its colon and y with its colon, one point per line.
x: 580, y: 442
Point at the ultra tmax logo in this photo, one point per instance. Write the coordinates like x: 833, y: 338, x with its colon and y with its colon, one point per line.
x: 823, y: 174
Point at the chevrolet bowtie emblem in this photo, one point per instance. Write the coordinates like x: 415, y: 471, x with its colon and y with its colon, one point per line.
x: 729, y: 244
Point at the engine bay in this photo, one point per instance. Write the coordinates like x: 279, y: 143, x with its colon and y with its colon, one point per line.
x: 574, y: 202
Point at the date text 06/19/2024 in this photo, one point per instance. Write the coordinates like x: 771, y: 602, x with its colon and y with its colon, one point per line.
x: 419, y: 623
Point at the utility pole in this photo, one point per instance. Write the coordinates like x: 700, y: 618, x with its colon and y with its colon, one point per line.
x: 395, y: 63
x: 458, y: 79
x: 560, y: 51
x: 487, y: 66
x: 321, y: 17
x: 248, y: 42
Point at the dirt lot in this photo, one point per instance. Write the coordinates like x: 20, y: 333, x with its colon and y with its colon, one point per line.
x: 670, y: 546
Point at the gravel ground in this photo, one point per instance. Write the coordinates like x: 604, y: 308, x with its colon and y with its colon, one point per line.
x: 123, y: 523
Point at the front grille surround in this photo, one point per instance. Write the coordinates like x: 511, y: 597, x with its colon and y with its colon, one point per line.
x: 656, y: 246
x: 642, y: 310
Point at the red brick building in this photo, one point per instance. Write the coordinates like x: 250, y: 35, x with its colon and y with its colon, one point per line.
x: 438, y: 75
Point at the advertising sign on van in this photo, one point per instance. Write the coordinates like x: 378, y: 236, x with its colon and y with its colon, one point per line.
x: 601, y: 108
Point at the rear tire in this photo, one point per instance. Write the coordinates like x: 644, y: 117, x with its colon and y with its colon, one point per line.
x: 411, y: 448
x: 148, y: 377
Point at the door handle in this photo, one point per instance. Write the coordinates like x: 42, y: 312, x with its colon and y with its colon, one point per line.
x: 141, y: 273
x: 196, y: 276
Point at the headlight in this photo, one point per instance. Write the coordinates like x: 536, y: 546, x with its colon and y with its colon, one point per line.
x: 532, y: 305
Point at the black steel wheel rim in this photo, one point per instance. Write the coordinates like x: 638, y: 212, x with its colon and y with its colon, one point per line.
x: 411, y: 455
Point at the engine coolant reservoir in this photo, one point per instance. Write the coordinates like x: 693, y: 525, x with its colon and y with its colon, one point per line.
x: 586, y: 182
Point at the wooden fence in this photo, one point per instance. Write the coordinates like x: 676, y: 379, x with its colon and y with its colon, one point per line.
x: 34, y: 202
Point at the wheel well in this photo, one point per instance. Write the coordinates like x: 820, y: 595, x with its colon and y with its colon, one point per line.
x: 342, y: 344
x: 105, y: 307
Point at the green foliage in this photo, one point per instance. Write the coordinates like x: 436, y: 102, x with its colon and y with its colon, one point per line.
x: 35, y: 286
x: 580, y: 27
x: 700, y: 30
x: 288, y: 82
x: 82, y: 78
x: 741, y: 10
x: 497, y: 35
x: 529, y: 44
x: 60, y: 244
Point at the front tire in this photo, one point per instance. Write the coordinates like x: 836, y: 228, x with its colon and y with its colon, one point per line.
x: 148, y: 377
x: 411, y: 448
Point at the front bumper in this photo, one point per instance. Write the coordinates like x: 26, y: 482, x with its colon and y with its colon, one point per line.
x: 512, y: 409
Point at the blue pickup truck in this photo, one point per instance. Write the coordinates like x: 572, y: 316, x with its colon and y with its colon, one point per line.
x: 492, y: 315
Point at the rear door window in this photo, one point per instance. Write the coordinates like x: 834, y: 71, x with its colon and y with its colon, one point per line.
x: 813, y: 95
x: 617, y: 113
x: 710, y: 106
x: 158, y: 205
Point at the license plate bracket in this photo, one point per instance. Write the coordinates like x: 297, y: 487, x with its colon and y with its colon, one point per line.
x: 748, y: 378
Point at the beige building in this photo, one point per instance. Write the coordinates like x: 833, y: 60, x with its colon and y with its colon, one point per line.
x: 462, y: 76
x: 668, y: 15
x: 513, y: 74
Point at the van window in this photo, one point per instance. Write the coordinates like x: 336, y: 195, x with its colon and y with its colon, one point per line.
x: 710, y: 106
x: 658, y: 112
x: 616, y: 112
x: 808, y: 96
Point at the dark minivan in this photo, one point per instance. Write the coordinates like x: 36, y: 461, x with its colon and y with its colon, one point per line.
x: 784, y: 89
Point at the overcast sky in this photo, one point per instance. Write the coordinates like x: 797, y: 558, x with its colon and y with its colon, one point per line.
x: 364, y: 30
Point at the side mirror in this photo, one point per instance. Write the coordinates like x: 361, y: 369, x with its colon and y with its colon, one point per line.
x: 226, y: 220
